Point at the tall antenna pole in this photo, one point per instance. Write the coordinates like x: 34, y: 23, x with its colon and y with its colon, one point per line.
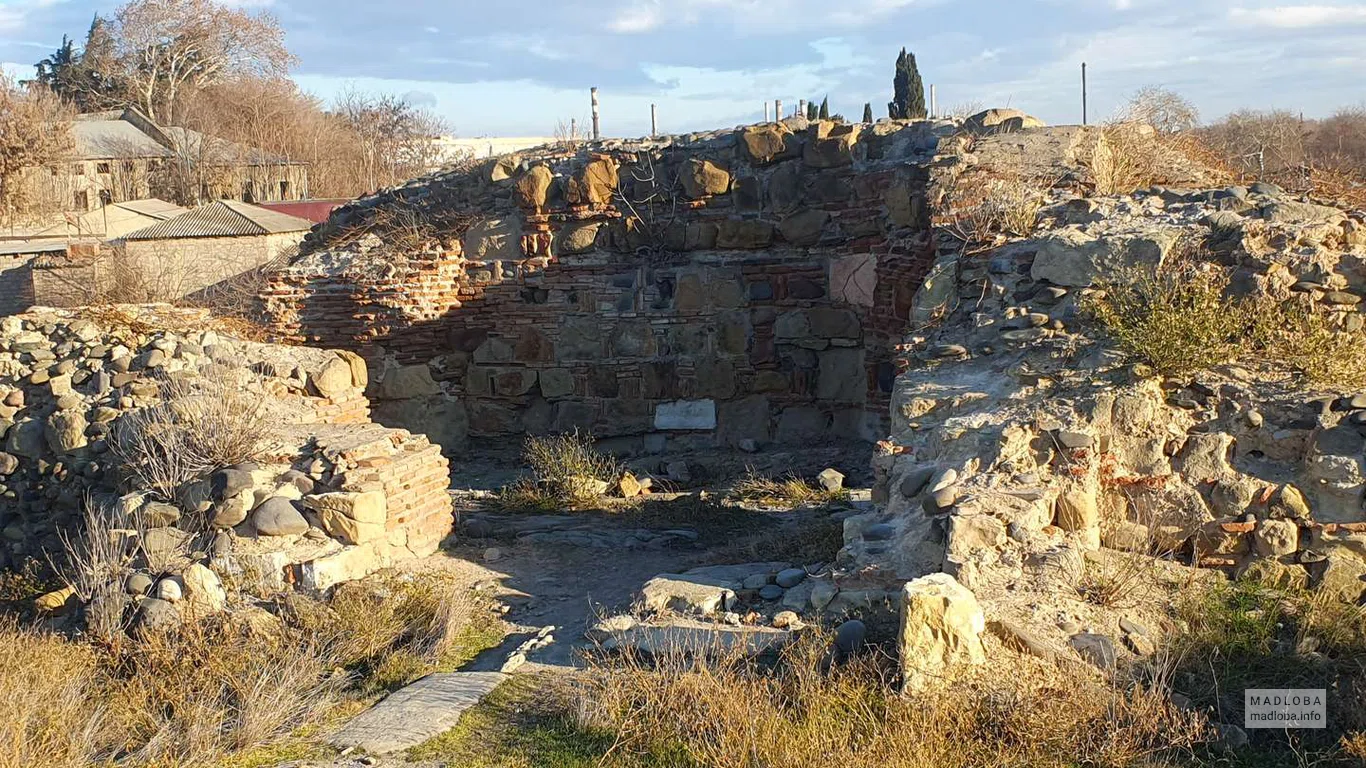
x: 1083, y: 93
x: 597, y: 133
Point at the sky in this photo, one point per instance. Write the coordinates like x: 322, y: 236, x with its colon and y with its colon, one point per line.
x: 520, y: 67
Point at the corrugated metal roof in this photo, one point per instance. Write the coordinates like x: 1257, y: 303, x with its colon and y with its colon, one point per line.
x: 156, y: 208
x: 99, y: 139
x: 225, y: 218
x: 23, y: 248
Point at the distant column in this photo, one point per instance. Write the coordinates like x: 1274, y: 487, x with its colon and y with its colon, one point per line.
x: 765, y: 111
x: 801, y: 107
x: 778, y: 108
x: 654, y: 121
x: 597, y: 128
x: 934, y: 102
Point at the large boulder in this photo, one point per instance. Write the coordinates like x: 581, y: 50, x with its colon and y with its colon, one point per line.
x: 278, y: 517
x: 941, y: 626
x: 355, y: 518
x: 1072, y: 257
x: 1001, y: 120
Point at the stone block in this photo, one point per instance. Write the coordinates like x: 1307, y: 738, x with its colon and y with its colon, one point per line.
x: 732, y: 334
x: 804, y: 227
x: 748, y: 418
x: 826, y: 323
x: 595, y: 184
x: 569, y: 415
x: 841, y: 376
x: 532, y: 346
x: 941, y: 627
x: 494, y: 240
x: 748, y: 193
x: 688, y: 292
x: 488, y: 418
x: 801, y: 424
x: 405, y: 382
x: 580, y: 339
x: 768, y: 143
x: 575, y: 239
x: 853, y: 279
x: 633, y: 339
x: 830, y: 144
x: 785, y: 188
x: 556, y: 382
x: 716, y: 379
x: 686, y: 415
x: 513, y: 382
x: 744, y: 234
x: 703, y: 178
x: 532, y: 187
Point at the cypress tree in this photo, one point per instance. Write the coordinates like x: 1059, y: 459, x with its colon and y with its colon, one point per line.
x: 908, y: 91
x: 812, y: 111
x: 867, y: 112
x: 825, y: 108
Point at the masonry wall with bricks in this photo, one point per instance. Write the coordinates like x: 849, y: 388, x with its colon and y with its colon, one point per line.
x: 738, y: 285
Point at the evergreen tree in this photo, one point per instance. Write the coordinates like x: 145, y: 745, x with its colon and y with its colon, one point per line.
x: 812, y: 111
x: 908, y: 91
x: 87, y: 78
x: 825, y: 108
x: 867, y: 112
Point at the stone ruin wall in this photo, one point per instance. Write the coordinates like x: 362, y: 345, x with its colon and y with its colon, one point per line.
x: 69, y: 376
x: 717, y: 288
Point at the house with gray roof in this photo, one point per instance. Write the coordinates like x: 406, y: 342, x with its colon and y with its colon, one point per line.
x: 122, y: 155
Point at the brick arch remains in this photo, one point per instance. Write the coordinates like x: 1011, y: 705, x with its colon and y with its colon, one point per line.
x: 748, y: 284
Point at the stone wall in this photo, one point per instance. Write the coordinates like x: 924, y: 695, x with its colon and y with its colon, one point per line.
x: 739, y: 285
x: 332, y: 496
x: 16, y: 283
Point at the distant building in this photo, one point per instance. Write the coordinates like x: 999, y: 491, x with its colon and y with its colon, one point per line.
x: 122, y: 155
x: 112, y: 221
x: 182, y: 256
x: 316, y: 211
x: 453, y: 149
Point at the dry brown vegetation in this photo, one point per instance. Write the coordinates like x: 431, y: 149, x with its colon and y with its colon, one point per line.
x: 567, y: 471
x: 197, y: 695
x: 788, y: 491
x: 214, y: 418
x: 1179, y: 319
x: 35, y: 138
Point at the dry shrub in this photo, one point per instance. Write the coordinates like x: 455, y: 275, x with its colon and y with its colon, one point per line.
x: 729, y: 713
x: 1009, y: 206
x: 566, y: 470
x: 787, y: 492
x: 1175, y: 318
x: 192, y: 696
x: 100, y: 554
x: 393, y: 630
x: 49, y: 714
x: 1302, y: 336
x: 214, y: 418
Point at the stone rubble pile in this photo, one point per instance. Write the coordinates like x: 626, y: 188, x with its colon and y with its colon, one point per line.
x: 332, y: 496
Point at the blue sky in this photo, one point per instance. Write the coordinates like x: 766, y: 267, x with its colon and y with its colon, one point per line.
x: 517, y: 67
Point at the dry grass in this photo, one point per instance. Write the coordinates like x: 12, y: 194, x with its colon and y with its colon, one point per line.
x: 220, y: 690
x: 789, y: 491
x: 1131, y: 155
x: 1176, y: 318
x: 47, y: 685
x: 1303, y: 337
x: 567, y: 471
x: 205, y: 421
x: 729, y: 713
x: 100, y: 555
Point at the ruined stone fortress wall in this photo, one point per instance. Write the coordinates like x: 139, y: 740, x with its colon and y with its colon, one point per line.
x: 713, y: 288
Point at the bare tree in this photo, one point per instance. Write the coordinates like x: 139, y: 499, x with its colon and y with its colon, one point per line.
x: 35, y: 138
x: 1263, y: 144
x: 1165, y: 110
x: 396, y: 139
x: 168, y: 47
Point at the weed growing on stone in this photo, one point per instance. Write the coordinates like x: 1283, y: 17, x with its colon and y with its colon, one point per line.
x: 567, y: 471
x: 790, y: 491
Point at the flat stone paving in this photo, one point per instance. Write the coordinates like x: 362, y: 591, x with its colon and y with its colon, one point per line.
x: 416, y: 713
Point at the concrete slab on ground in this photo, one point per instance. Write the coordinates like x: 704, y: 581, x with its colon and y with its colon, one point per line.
x: 417, y: 712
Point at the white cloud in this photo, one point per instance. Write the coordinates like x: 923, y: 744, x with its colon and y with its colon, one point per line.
x: 1300, y: 16
x: 637, y: 19
x: 432, y: 30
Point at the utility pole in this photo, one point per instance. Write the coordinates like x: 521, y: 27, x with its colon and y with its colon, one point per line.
x: 597, y: 133
x: 654, y: 121
x: 1083, y: 93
